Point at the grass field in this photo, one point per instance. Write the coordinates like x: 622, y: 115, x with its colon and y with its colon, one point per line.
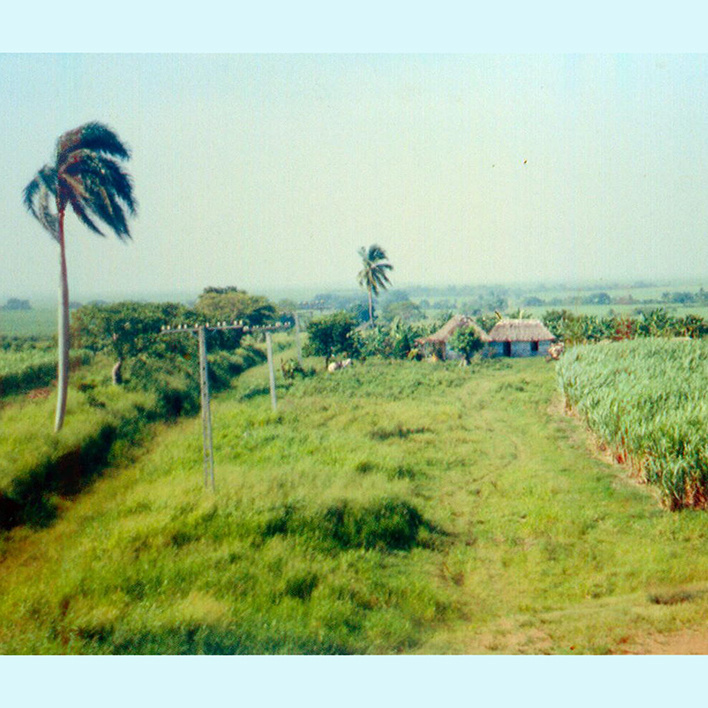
x: 39, y: 322
x: 395, y: 507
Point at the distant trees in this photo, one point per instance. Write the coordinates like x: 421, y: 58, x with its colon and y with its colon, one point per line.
x: 229, y: 304
x: 405, y: 310
x: 86, y: 174
x: 374, y: 273
x: 14, y: 303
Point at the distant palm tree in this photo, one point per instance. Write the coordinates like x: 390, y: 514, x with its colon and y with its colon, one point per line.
x: 373, y: 275
x: 87, y: 175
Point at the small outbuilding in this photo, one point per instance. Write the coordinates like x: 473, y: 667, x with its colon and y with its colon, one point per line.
x: 518, y: 338
x: 437, y: 343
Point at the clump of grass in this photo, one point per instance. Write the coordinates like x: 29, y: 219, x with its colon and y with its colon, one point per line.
x: 396, y: 431
x: 365, y: 467
x: 386, y: 524
x: 675, y: 597
x: 402, y: 472
x: 301, y: 585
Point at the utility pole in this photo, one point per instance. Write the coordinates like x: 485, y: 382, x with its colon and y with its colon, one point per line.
x: 200, y: 331
x: 298, y: 346
x: 271, y: 371
x: 207, y: 442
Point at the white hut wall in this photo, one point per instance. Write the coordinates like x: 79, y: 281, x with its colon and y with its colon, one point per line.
x: 523, y: 349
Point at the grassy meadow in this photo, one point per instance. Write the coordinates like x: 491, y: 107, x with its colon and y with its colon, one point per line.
x: 395, y: 507
x: 40, y: 321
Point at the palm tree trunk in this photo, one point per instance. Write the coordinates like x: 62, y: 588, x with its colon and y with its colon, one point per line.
x: 63, y: 332
x: 371, y: 309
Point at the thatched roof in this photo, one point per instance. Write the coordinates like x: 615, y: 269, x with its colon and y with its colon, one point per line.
x: 520, y: 331
x: 450, y: 327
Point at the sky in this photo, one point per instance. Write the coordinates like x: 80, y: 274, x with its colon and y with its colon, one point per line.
x: 269, y: 170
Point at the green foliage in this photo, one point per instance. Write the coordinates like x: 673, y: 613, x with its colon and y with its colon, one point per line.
x: 86, y: 175
x: 467, y: 342
x: 646, y: 400
x: 292, y: 369
x: 29, y: 369
x: 405, y: 311
x: 231, y: 304
x: 34, y: 465
x: 395, y: 341
x: 331, y: 336
x: 28, y: 363
x: 386, y: 524
x: 656, y: 322
x: 127, y: 329
x: 373, y: 275
x: 375, y: 267
x: 487, y: 322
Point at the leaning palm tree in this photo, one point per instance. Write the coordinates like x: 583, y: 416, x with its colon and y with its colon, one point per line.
x: 373, y: 274
x: 87, y: 175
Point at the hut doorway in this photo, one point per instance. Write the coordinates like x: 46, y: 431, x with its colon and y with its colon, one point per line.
x: 507, y: 348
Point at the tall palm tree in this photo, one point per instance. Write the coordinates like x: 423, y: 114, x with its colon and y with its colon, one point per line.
x: 87, y: 175
x: 373, y: 275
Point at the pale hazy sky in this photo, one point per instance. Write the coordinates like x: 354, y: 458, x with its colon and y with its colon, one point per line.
x: 269, y: 171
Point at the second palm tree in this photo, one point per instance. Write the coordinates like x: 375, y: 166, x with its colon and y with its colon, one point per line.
x: 374, y: 274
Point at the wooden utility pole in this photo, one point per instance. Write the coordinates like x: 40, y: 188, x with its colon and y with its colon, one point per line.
x: 207, y: 442
x: 298, y: 346
x: 271, y: 371
x: 200, y: 331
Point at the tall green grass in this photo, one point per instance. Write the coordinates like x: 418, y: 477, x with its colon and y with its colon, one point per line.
x: 37, y: 464
x: 647, y: 401
x: 390, y: 508
x: 30, y: 368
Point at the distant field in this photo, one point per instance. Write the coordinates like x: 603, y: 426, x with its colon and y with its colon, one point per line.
x: 40, y: 322
x: 605, y: 310
x: 638, y: 293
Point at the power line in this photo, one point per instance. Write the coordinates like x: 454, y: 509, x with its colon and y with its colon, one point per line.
x: 200, y: 331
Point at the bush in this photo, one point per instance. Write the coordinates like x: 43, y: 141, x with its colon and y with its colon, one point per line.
x: 292, y: 369
x: 332, y: 336
x: 466, y: 342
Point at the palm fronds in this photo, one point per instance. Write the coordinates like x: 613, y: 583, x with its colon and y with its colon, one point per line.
x: 374, y: 274
x: 87, y: 176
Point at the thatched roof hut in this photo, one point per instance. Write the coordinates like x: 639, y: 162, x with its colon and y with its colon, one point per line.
x: 520, y: 331
x: 520, y: 337
x: 436, y: 343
